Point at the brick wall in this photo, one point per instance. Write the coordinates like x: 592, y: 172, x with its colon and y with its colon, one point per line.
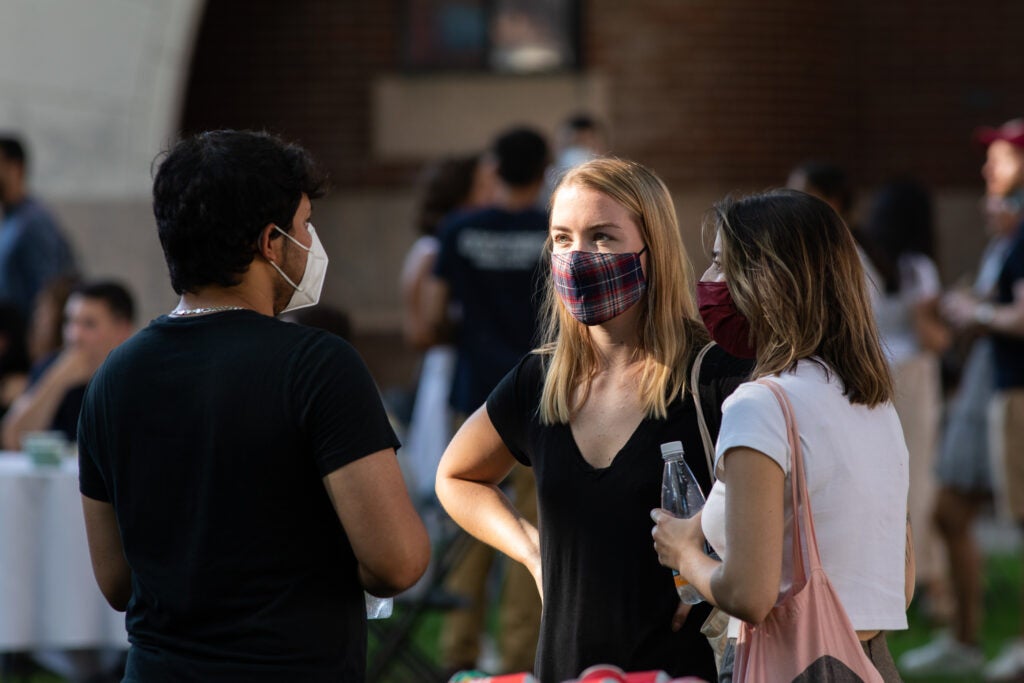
x: 736, y: 92
x: 715, y: 95
x: 709, y: 92
x: 302, y: 70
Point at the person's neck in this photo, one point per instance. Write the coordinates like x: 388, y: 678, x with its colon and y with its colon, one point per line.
x: 616, y: 341
x: 517, y: 198
x: 1005, y: 213
x: 226, y: 297
x: 13, y: 198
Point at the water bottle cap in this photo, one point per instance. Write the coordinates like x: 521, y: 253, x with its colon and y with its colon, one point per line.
x: 671, y: 450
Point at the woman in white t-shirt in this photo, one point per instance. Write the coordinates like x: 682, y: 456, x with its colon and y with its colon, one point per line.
x: 786, y: 277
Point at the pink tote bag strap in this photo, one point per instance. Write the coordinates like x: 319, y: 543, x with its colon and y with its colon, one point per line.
x: 803, y: 519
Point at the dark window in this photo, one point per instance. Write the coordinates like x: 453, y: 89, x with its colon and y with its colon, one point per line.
x: 504, y: 36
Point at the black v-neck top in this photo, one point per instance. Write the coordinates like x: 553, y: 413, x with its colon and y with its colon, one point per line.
x: 607, y: 600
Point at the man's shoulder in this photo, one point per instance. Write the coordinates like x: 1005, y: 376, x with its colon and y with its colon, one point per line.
x: 497, y: 218
x: 313, y: 348
x: 31, y: 231
x: 456, y: 223
x: 32, y: 212
x: 275, y: 346
x: 242, y: 331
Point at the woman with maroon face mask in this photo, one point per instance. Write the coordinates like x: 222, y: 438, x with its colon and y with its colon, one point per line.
x: 787, y: 285
x: 589, y: 410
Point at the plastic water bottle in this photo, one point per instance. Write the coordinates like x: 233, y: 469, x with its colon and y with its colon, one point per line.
x: 680, y: 495
x: 378, y: 608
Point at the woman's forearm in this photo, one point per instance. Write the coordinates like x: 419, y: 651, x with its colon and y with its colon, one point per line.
x: 486, y: 513
x: 476, y: 461
x: 710, y: 577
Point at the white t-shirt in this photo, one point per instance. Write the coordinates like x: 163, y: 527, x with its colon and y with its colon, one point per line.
x: 857, y: 474
x: 919, y: 280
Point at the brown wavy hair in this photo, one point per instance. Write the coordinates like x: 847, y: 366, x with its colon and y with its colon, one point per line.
x: 794, y: 271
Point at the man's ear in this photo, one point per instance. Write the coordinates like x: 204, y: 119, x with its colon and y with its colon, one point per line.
x: 270, y: 247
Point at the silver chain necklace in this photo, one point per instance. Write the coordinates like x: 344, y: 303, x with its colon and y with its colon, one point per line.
x: 184, y: 312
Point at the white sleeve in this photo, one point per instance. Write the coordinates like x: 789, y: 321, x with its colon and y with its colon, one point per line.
x: 923, y: 281
x: 752, y: 418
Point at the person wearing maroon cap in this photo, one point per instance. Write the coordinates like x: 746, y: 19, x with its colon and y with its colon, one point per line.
x: 990, y: 402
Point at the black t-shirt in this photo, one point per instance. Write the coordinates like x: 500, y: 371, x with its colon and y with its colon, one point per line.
x: 210, y: 437
x: 490, y: 259
x: 1008, y: 350
x: 606, y: 598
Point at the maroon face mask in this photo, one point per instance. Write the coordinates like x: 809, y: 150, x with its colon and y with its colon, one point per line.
x: 727, y: 325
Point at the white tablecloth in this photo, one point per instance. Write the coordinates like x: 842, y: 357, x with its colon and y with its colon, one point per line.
x: 48, y: 596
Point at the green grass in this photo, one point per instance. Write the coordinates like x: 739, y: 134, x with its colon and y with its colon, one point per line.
x: 1001, y: 619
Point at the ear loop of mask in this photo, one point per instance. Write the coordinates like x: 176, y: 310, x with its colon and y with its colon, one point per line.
x: 278, y: 268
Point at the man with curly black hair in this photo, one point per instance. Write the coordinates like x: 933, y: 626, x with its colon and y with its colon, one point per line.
x: 238, y: 472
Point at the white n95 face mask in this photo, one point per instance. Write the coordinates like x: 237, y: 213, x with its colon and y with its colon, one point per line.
x: 307, y: 292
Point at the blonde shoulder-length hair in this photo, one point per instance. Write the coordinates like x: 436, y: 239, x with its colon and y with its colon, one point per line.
x: 668, y: 334
x: 794, y: 271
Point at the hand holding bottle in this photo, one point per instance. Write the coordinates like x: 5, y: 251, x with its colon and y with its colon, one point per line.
x: 680, y: 497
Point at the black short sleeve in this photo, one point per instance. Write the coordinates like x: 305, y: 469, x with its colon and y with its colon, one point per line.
x: 339, y: 406
x: 90, y: 478
x: 514, y: 401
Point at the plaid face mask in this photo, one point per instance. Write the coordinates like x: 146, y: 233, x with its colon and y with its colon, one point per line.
x: 595, y: 287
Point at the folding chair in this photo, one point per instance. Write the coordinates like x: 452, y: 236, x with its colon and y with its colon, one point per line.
x: 394, y: 636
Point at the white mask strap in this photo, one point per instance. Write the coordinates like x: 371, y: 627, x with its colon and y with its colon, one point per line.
x: 278, y: 269
x: 301, y: 246
x: 286, y: 278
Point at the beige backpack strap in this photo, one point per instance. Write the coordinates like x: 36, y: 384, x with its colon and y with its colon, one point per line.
x: 705, y: 435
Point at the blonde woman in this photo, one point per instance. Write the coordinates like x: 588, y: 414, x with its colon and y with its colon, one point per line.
x: 788, y: 266
x: 588, y: 411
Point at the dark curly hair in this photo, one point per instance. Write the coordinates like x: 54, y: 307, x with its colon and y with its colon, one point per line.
x: 115, y: 295
x: 522, y: 155
x: 215, y: 192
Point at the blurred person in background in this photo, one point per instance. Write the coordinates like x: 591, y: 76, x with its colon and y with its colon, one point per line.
x: 98, y: 317
x: 449, y: 186
x: 983, y: 443
x: 46, y: 322
x: 580, y: 138
x: 830, y: 183
x: 587, y: 411
x: 238, y: 472
x: 14, y: 360
x: 33, y: 250
x: 899, y: 223
x: 487, y: 269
